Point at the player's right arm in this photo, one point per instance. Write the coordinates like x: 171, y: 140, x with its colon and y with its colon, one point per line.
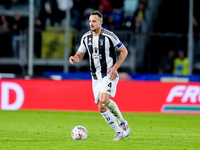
x: 80, y: 53
x: 76, y: 58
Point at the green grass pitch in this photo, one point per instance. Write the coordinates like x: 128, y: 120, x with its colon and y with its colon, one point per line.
x: 51, y: 130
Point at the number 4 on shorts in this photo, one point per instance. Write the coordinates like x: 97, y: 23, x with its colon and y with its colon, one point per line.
x: 110, y: 85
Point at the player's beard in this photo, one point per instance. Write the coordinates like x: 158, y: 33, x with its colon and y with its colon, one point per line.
x: 96, y: 30
x: 93, y: 29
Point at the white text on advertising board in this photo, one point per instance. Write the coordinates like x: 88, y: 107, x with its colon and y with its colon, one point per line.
x: 5, y: 87
x: 187, y: 93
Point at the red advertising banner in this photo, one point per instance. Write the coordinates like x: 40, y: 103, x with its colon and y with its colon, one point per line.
x: 132, y: 96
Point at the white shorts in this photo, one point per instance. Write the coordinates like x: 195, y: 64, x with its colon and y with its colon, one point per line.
x: 104, y: 85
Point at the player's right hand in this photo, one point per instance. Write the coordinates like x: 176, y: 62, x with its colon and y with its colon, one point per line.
x: 72, y: 59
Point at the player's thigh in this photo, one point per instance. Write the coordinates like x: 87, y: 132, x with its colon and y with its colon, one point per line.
x: 109, y: 86
x: 104, y: 98
x: 96, y: 87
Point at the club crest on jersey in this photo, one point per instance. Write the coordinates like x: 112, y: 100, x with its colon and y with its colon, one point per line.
x: 95, y: 54
x: 90, y: 43
x: 101, y: 42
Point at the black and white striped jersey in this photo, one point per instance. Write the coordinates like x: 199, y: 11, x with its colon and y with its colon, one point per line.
x: 101, y: 50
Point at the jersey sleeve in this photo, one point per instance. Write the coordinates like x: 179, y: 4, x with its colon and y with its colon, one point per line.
x: 117, y: 43
x: 82, y: 47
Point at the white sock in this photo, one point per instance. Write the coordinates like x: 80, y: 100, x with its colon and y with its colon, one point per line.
x: 111, y: 120
x: 112, y: 106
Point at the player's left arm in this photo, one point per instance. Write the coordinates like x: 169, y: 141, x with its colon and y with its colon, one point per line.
x: 122, y: 56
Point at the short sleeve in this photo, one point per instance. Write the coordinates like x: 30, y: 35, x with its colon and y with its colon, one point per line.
x: 118, y: 45
x: 116, y: 42
x: 82, y: 47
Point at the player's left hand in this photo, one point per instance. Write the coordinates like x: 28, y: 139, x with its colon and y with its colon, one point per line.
x: 113, y: 73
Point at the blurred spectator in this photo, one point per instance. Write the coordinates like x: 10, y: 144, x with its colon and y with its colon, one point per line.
x: 16, y: 28
x: 137, y: 27
x: 167, y: 63
x: 38, y: 38
x: 181, y: 64
x: 196, y: 30
x: 195, y: 25
x: 105, y: 6
x: 81, y: 14
x: 63, y: 6
x: 129, y: 9
x: 77, y: 13
x: 3, y: 23
x: 49, y: 9
x: 138, y: 18
x: 116, y: 18
x: 90, y: 6
x: 140, y: 12
x: 111, y: 24
x: 5, y: 38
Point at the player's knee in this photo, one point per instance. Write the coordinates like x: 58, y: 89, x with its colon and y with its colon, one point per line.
x: 103, y: 101
x: 101, y: 108
x: 103, y: 98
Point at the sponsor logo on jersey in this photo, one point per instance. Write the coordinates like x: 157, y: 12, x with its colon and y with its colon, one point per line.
x: 95, y: 54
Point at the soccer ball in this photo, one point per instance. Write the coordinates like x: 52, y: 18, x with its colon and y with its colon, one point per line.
x: 79, y: 133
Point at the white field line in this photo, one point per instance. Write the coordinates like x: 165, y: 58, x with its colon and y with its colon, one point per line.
x: 110, y: 132
x: 176, y: 134
x: 131, y: 141
x: 35, y: 139
x: 95, y: 140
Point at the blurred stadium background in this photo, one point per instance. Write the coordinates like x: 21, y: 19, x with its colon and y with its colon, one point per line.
x: 38, y: 36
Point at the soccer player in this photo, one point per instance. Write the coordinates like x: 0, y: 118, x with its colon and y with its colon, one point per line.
x: 101, y: 45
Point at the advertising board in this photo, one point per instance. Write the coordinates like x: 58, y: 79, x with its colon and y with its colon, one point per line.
x: 76, y: 95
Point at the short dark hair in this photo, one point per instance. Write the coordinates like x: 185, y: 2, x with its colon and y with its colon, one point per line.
x: 96, y: 12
